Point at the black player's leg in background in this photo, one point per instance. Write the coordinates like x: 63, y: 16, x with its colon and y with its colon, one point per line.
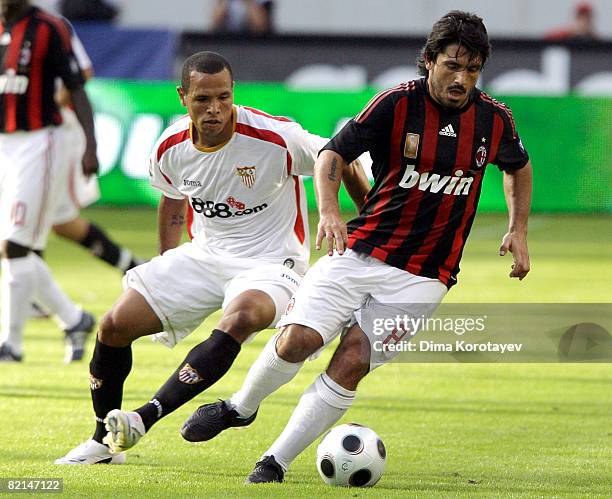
x: 97, y: 242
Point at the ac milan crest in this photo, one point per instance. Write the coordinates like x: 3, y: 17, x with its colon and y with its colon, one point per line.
x: 189, y: 375
x: 247, y: 174
x: 481, y: 156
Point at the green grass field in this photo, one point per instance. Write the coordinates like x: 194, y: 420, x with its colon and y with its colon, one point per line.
x: 451, y: 430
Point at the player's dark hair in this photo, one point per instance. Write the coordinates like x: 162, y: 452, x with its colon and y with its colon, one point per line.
x: 203, y: 62
x: 463, y: 28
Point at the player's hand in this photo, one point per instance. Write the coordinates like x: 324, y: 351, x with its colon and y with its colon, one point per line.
x: 516, y: 243
x: 89, y: 162
x: 333, y: 229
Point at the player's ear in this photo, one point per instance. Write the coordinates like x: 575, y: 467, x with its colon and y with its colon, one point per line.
x: 181, y: 93
x: 428, y: 63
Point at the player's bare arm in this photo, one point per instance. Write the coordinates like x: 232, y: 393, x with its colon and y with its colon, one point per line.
x: 329, y: 170
x: 356, y: 182
x: 62, y: 95
x: 517, y: 189
x: 171, y: 218
x: 82, y: 108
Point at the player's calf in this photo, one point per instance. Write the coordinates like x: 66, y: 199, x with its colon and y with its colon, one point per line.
x: 351, y: 360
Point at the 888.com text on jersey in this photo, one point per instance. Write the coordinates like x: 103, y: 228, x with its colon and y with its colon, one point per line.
x: 230, y: 208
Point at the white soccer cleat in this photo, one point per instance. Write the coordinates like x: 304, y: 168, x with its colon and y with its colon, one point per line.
x: 91, y: 452
x: 125, y: 429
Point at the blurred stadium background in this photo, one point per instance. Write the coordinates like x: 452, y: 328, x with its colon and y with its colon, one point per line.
x: 327, y: 58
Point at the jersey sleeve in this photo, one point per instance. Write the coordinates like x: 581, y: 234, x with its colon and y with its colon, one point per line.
x: 303, y: 148
x: 80, y: 53
x: 62, y: 56
x: 511, y: 154
x: 159, y: 180
x: 368, y: 131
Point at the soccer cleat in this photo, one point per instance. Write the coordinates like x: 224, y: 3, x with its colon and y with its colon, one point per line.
x: 125, y: 429
x: 75, y: 337
x: 7, y: 355
x: 91, y: 452
x: 209, y: 420
x: 266, y: 471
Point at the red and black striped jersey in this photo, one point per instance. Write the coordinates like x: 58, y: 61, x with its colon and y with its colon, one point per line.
x: 428, y: 166
x: 35, y: 49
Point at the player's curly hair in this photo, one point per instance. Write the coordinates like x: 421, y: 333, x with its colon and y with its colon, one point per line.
x: 203, y: 62
x: 463, y: 28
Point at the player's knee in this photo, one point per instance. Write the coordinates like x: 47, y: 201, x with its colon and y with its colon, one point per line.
x: 241, y: 323
x: 296, y: 343
x: 113, y: 331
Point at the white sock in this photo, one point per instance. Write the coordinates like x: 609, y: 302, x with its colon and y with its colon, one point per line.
x: 125, y: 257
x: 266, y: 375
x: 322, y: 404
x: 17, y: 285
x: 52, y: 297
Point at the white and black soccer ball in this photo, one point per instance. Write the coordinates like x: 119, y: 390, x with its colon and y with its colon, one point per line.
x: 351, y: 455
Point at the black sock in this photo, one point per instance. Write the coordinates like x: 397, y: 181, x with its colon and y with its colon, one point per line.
x: 205, y: 364
x: 109, y: 367
x: 40, y: 253
x: 99, y: 245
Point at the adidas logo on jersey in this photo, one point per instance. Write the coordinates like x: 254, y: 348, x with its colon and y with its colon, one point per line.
x: 448, y: 131
x: 427, y: 181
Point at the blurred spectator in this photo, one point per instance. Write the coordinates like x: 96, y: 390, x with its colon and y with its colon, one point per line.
x: 243, y: 16
x: 583, y: 27
x: 48, y: 5
x: 90, y: 10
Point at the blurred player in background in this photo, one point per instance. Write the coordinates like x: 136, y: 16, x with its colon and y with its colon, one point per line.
x: 430, y: 140
x: 582, y: 28
x: 82, y: 190
x: 35, y: 49
x: 239, y: 170
x: 243, y: 16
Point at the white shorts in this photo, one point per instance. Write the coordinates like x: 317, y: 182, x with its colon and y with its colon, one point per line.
x: 79, y: 190
x: 186, y: 284
x: 342, y: 290
x: 32, y: 173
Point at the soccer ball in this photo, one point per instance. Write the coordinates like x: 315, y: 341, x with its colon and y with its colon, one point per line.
x: 351, y: 455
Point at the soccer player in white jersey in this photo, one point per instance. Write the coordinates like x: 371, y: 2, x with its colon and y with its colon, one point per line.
x: 238, y: 168
x: 83, y: 190
x: 76, y: 191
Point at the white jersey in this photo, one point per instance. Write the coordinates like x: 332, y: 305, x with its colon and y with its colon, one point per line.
x: 246, y: 194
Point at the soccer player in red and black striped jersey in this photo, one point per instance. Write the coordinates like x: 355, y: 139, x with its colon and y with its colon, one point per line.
x: 35, y: 49
x: 430, y: 141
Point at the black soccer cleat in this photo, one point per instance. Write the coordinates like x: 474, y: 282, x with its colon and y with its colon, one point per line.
x: 209, y: 420
x: 76, y: 336
x: 266, y: 471
x: 7, y: 354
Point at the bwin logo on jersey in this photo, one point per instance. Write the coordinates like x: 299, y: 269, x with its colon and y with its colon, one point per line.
x: 433, y: 182
x: 11, y: 83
